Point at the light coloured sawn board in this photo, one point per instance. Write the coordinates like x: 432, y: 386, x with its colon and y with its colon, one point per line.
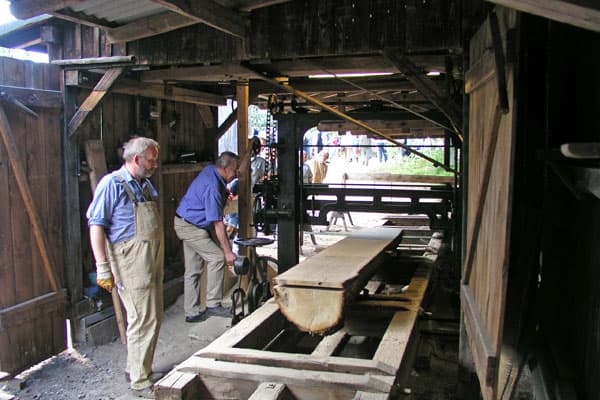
x: 312, y: 295
x: 337, y: 264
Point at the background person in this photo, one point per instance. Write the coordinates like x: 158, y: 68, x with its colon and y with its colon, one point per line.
x: 199, y: 224
x: 127, y: 241
x: 318, y: 167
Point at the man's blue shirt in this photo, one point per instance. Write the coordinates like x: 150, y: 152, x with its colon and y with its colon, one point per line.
x: 111, y: 207
x: 204, y: 200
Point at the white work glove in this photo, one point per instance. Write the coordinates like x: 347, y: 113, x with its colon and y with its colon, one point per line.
x: 104, y: 277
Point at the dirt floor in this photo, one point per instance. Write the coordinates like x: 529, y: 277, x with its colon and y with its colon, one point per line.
x: 87, y: 372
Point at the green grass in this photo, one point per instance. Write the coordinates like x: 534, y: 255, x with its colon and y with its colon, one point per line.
x: 412, y: 164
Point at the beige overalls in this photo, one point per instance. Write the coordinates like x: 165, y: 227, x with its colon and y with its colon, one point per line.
x: 138, y: 267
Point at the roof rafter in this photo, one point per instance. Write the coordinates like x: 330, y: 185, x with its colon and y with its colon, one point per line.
x: 149, y: 26
x: 210, y: 13
x: 582, y: 13
x: 24, y: 9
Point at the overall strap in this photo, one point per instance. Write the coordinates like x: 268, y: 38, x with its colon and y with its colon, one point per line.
x: 127, y: 189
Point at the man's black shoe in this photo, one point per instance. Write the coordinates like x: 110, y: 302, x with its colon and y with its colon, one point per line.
x: 196, y: 318
x: 218, y: 311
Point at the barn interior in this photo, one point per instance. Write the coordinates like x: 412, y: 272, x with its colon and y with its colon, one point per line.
x: 510, y: 87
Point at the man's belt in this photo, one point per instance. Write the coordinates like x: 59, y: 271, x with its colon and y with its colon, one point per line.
x: 186, y: 221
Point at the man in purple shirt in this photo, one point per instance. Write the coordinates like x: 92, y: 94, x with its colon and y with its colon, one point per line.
x: 199, y: 219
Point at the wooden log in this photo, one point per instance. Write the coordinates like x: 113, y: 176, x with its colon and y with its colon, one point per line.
x: 313, y: 294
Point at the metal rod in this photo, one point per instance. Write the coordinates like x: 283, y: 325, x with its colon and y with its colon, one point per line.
x: 340, y: 114
x: 380, y: 97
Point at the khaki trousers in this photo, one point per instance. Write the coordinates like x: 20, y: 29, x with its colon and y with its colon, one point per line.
x: 200, y: 249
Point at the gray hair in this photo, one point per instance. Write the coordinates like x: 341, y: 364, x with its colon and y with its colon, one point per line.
x: 137, y: 147
x: 226, y: 158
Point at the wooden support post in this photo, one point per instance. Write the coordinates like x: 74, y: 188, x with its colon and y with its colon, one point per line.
x: 242, y: 97
x: 90, y: 103
x: 34, y: 218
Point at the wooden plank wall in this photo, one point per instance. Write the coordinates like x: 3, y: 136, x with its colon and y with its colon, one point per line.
x: 22, y: 276
x: 32, y: 325
x: 312, y: 28
x: 487, y: 284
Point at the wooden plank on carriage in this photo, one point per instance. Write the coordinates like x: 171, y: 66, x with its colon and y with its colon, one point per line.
x: 331, y: 343
x: 299, y: 361
x: 395, y: 341
x: 254, y: 331
x: 312, y: 295
x: 370, y: 396
x: 342, y: 384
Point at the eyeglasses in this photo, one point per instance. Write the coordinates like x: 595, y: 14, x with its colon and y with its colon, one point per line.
x: 151, y: 161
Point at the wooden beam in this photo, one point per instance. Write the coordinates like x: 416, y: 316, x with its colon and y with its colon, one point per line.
x: 87, y: 62
x: 224, y: 127
x: 33, y: 97
x: 254, y: 5
x: 95, y: 98
x: 210, y: 73
x: 244, y: 190
x: 24, y: 9
x: 34, y: 218
x: 426, y: 86
x: 28, y: 44
x: 308, y: 362
x: 582, y: 13
x: 343, y: 383
x: 167, y: 92
x: 386, y: 126
x: 210, y: 13
x: 149, y: 26
x: 155, y: 91
x: 84, y: 19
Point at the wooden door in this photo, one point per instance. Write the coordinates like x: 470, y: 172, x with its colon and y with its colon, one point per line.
x: 32, y: 301
x: 489, y: 84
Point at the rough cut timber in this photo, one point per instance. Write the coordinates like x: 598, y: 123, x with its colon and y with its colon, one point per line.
x: 312, y: 295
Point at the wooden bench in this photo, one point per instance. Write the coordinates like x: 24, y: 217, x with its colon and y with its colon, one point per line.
x: 266, y: 357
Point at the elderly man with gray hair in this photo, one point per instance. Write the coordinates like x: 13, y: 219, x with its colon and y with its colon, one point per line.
x: 127, y: 241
